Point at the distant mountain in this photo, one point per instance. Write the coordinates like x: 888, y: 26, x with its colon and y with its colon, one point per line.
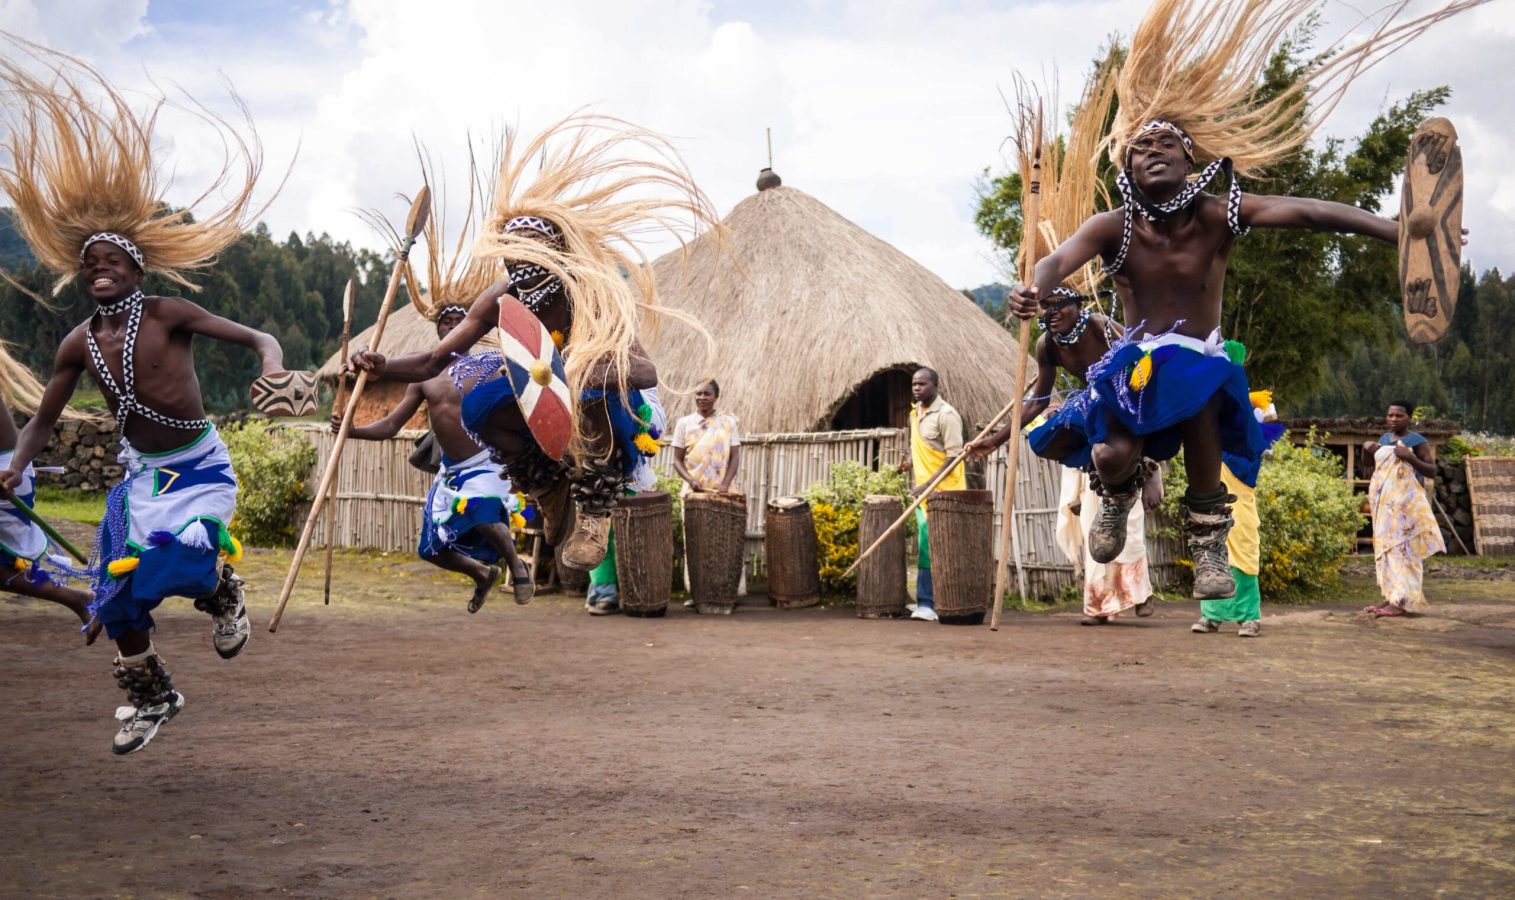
x: 14, y: 254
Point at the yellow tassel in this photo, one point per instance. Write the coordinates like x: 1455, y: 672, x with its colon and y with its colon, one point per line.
x: 1261, y: 399
x: 646, y: 444
x: 461, y: 506
x: 517, y: 521
x: 1141, y: 373
x: 236, y: 551
x: 23, y: 564
x: 120, y: 567
x: 558, y: 339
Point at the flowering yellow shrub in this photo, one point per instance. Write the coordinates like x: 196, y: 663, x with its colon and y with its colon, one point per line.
x: 836, y: 534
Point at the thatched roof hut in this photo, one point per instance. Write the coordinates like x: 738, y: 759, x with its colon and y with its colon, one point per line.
x: 405, y: 332
x: 819, y: 324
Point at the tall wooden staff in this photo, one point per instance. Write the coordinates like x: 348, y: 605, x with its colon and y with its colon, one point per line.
x: 1028, y: 276
x: 414, y: 222
x: 331, y: 496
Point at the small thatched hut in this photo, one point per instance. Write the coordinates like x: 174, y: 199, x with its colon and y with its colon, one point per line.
x: 819, y: 325
x: 405, y: 332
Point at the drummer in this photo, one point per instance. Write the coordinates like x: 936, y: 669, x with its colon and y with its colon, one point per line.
x: 707, y: 451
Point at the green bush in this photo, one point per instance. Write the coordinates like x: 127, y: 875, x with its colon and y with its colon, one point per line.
x: 271, y: 464
x: 837, y: 505
x: 1308, y: 514
x: 672, y: 484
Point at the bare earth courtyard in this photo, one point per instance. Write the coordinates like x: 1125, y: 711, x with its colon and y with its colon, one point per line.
x: 392, y: 745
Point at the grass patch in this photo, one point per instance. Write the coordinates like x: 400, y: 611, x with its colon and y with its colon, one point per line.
x: 55, y: 502
x: 1474, y: 562
x: 87, y: 398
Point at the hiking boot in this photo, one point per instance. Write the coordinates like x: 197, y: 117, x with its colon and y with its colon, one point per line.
x: 585, y: 548
x: 1205, y: 626
x: 230, y: 629
x: 153, y: 701
x: 1108, y: 536
x: 1250, y: 628
x: 1207, y: 548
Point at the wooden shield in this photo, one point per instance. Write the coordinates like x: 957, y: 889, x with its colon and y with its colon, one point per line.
x: 1430, y: 230
x: 285, y: 394
x: 536, y: 374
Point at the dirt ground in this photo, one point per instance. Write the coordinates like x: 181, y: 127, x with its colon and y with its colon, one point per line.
x: 393, y: 746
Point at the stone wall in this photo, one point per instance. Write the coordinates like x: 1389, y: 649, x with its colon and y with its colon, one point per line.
x: 87, y: 448
x: 1452, y: 496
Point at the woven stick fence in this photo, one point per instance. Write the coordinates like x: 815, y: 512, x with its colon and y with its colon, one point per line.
x: 379, y: 495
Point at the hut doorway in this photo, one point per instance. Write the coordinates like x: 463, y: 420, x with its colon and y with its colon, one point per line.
x: 883, y: 401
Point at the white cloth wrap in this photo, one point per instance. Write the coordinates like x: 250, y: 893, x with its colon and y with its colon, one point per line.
x: 486, y: 484
x: 643, y: 477
x: 18, y: 536
x: 179, y: 510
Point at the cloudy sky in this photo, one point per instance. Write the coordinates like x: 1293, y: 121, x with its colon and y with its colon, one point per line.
x: 886, y: 110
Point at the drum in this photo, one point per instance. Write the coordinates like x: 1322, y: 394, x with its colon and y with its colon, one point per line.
x: 715, y: 529
x: 790, y: 551
x: 960, y: 533
x: 643, y: 529
x: 881, y: 592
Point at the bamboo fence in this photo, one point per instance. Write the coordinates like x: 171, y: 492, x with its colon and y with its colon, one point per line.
x: 379, y: 495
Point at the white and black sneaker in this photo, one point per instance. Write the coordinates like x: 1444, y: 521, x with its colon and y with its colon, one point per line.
x: 139, y: 725
x: 230, y: 629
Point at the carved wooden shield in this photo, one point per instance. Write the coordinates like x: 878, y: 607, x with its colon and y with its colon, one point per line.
x: 1430, y: 230
x: 536, y: 374
x: 285, y: 394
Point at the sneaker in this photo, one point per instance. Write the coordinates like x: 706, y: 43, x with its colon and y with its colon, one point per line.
x: 586, y: 546
x: 689, y: 604
x: 603, y: 606
x: 138, y: 726
x: 230, y: 628
x: 1205, y: 626
x: 924, y: 613
x: 1108, y: 536
x: 1250, y: 628
x: 911, y: 606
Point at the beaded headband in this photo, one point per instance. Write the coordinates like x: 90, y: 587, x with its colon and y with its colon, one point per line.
x: 110, y: 237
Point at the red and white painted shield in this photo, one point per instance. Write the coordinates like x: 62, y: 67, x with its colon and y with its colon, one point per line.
x: 536, y: 374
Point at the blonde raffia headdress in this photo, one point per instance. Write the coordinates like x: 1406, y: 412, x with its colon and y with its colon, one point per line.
x: 600, y: 186
x: 1071, y: 189
x: 455, y: 276
x: 81, y: 167
x: 1195, y: 64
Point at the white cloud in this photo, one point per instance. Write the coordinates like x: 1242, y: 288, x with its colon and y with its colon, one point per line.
x: 884, y: 110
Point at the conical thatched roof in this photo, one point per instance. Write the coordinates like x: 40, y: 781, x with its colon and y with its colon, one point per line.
x: 805, y: 306
x: 405, y: 332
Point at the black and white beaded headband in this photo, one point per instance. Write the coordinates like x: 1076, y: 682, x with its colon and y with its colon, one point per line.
x: 120, y: 240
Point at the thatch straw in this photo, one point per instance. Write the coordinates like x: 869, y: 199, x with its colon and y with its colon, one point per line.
x: 805, y: 306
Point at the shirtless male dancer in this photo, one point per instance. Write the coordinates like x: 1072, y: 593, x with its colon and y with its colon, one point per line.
x: 465, y: 522
x: 84, y: 184
x: 1169, y: 384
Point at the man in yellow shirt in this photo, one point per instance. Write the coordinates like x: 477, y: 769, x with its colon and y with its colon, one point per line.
x: 936, y: 436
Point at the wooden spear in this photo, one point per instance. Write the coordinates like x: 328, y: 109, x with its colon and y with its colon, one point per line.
x: 414, y: 222
x: 331, y: 496
x: 1029, y: 233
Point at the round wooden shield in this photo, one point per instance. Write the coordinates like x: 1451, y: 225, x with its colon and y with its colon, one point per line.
x: 536, y: 375
x: 1430, y: 230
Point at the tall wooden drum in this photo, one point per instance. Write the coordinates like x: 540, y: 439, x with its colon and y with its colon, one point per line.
x: 643, y: 528
x: 960, y: 532
x: 715, y: 528
x: 881, y: 592
x: 789, y: 547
